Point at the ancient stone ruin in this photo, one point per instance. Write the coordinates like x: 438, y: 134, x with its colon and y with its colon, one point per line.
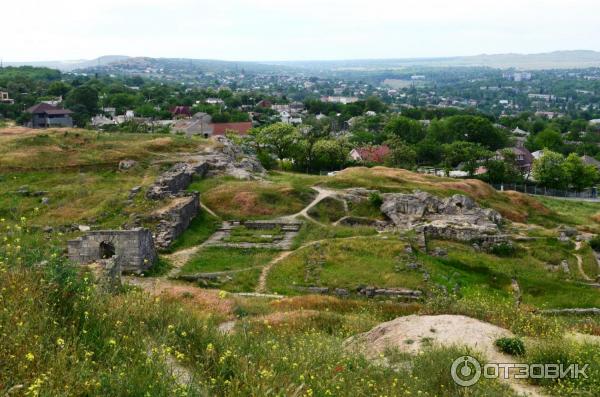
x: 283, y: 241
x: 454, y: 218
x: 132, y: 250
x: 175, y: 218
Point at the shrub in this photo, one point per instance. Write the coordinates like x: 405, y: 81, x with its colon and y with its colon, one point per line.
x: 512, y: 346
x: 375, y: 199
x: 503, y: 249
x: 595, y: 243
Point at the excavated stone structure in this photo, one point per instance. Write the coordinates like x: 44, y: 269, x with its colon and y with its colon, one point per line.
x: 176, y: 218
x: 454, y: 218
x: 133, y: 251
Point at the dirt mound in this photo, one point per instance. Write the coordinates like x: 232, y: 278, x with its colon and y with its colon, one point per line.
x: 411, y: 334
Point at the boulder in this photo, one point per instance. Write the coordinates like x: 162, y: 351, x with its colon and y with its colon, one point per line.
x: 125, y: 165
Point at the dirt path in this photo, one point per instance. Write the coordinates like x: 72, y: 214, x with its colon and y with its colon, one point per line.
x: 322, y: 194
x: 578, y: 246
x: 211, y: 212
x: 178, y: 259
x: 262, y: 280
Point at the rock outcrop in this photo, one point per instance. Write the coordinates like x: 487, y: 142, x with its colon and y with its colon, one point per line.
x: 453, y: 218
x: 229, y: 159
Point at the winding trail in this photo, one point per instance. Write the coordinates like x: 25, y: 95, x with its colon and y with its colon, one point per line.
x: 322, y: 194
x: 578, y: 245
x: 262, y: 280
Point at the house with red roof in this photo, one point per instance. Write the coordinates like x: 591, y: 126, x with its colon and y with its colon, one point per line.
x: 239, y: 128
x: 181, y: 111
x: 370, y: 154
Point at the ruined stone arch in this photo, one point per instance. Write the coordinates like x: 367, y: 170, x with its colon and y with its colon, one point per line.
x: 107, y: 250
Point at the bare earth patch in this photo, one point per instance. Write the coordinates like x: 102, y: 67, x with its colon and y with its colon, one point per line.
x: 411, y: 334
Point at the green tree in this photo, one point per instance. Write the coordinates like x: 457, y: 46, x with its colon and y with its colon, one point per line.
x: 467, y: 153
x: 547, y: 138
x: 503, y: 168
x: 281, y: 139
x: 83, y: 101
x: 401, y: 154
x: 475, y: 129
x: 549, y: 170
x: 579, y: 174
x: 429, y: 152
x: 409, y: 130
x: 58, y: 88
x: 329, y: 154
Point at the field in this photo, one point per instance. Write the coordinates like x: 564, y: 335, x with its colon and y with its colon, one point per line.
x: 161, y: 336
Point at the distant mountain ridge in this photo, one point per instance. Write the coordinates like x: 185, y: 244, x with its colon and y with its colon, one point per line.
x: 70, y: 65
x: 576, y: 59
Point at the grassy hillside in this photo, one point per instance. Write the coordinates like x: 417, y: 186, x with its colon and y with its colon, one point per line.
x: 63, y: 336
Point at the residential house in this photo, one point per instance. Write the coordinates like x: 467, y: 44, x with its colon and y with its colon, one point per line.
x: 239, y: 128
x: 370, y: 154
x: 523, y: 157
x: 198, y: 124
x: 520, y: 132
x: 5, y: 99
x: 589, y: 160
x: 537, y: 154
x: 339, y: 99
x: 181, y: 112
x: 101, y: 121
x: 44, y: 115
x: 214, y: 101
x: 265, y: 104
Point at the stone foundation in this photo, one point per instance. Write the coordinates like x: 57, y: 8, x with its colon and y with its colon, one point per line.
x: 176, y: 218
x: 133, y: 250
x: 176, y: 180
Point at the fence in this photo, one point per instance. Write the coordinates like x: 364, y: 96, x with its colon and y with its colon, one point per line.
x: 589, y: 193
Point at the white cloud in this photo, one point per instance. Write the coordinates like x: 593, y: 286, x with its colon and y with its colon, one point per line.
x: 282, y: 29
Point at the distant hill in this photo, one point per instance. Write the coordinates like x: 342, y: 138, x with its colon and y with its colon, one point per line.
x: 185, y: 64
x: 67, y: 66
x: 551, y: 60
x: 578, y: 59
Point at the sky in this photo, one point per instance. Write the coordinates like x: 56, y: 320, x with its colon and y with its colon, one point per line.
x: 273, y: 30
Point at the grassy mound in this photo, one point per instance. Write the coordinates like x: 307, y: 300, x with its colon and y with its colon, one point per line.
x: 255, y: 200
x: 80, y: 148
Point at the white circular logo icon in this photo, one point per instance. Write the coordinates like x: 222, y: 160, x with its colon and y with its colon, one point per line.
x: 466, y: 371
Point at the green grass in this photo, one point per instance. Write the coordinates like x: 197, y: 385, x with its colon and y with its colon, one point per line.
x: 245, y: 263
x: 540, y: 288
x: 242, y: 234
x: 590, y: 265
x: 578, y: 213
x: 328, y: 210
x: 201, y: 228
x: 313, y: 232
x: 80, y: 148
x: 345, y: 263
x: 217, y: 259
x: 241, y: 200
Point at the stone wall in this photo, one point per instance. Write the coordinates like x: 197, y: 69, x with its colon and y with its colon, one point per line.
x: 176, y: 218
x: 176, y: 180
x: 133, y: 249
